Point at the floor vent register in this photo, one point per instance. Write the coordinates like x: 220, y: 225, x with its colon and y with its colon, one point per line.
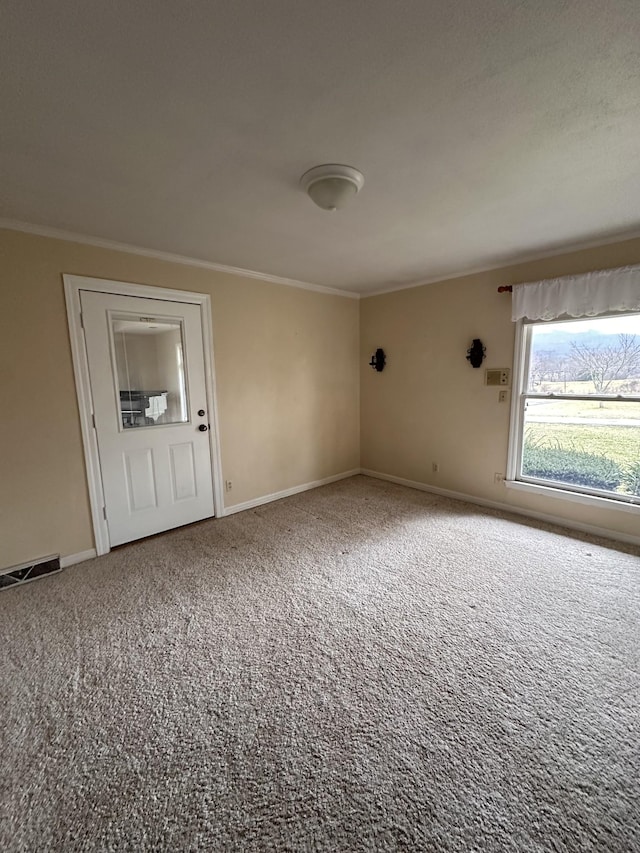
x: 29, y: 571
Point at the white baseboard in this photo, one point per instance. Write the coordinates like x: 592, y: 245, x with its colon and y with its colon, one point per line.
x: 286, y: 493
x: 602, y: 532
x: 72, y: 559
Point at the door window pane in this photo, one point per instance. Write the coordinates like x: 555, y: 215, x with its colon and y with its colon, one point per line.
x: 150, y: 366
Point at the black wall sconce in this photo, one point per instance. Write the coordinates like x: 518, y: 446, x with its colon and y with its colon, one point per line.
x: 476, y: 353
x: 378, y: 360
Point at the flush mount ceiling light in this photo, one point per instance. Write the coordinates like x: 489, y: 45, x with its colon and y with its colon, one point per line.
x: 332, y: 185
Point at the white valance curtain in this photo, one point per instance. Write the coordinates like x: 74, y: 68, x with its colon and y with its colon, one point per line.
x: 588, y: 295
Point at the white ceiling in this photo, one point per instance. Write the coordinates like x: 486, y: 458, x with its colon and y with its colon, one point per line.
x: 486, y: 129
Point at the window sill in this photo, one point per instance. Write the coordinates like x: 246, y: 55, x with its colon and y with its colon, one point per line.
x: 574, y: 497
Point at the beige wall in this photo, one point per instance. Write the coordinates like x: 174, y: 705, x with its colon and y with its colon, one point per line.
x: 429, y: 405
x: 287, y: 366
x: 287, y: 380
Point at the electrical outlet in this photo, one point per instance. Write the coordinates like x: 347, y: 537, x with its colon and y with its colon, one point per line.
x: 502, y: 396
x: 435, y: 467
x: 228, y: 485
x: 498, y: 478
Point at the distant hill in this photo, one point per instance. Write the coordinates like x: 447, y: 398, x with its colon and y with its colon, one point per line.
x: 558, y: 342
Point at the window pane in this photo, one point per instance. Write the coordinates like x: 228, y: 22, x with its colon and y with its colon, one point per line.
x: 594, y: 356
x: 589, y: 444
x: 150, y: 366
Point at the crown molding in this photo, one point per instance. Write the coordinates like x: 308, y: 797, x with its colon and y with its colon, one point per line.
x: 98, y: 242
x: 71, y: 236
x: 513, y: 262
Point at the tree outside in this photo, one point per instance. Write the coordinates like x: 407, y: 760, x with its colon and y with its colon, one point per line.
x: 604, y: 364
x: 590, y: 443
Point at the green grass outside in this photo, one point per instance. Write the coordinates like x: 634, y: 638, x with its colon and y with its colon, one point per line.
x: 583, y: 387
x: 585, y: 409
x: 622, y: 444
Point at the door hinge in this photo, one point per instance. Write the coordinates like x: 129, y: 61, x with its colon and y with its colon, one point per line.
x: 81, y: 320
x: 104, y: 512
x: 93, y: 420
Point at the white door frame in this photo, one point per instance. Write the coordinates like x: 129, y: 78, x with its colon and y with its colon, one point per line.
x: 73, y: 284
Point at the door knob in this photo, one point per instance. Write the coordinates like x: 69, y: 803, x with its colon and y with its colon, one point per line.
x: 203, y: 427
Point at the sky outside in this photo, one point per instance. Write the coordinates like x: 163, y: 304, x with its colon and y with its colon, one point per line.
x: 629, y: 324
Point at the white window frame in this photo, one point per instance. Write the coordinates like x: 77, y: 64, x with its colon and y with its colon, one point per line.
x: 514, y: 479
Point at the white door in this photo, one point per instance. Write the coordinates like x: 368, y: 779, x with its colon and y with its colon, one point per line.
x: 146, y: 366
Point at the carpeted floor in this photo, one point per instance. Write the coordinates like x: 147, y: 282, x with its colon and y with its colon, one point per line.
x: 359, y: 668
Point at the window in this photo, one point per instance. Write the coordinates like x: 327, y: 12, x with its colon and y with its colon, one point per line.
x: 150, y: 372
x: 576, y: 410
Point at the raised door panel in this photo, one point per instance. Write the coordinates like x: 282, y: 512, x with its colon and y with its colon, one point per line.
x: 140, y: 479
x: 183, y: 472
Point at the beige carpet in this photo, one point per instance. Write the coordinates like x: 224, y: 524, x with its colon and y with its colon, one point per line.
x: 361, y: 667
